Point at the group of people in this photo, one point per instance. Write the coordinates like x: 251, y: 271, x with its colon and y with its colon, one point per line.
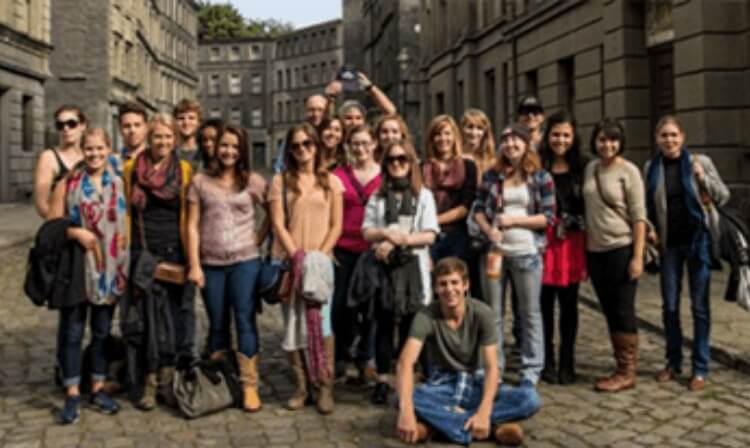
x: 392, y: 254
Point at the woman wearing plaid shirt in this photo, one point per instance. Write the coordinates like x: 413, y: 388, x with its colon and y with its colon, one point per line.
x: 516, y: 204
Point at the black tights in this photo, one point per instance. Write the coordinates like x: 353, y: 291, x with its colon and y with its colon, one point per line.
x: 568, y: 298
x: 614, y: 288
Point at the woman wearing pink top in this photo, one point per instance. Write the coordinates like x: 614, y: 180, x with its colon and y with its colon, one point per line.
x: 361, y: 179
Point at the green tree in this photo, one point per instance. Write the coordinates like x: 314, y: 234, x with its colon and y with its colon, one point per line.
x: 223, y: 20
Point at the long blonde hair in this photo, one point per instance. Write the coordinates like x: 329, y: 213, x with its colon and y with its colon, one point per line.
x: 485, y: 155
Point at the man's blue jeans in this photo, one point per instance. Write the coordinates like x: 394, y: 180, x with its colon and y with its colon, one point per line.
x: 232, y: 287
x: 526, y: 271
x: 448, y: 399
x: 699, y: 278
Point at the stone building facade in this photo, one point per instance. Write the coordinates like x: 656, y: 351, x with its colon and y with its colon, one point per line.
x: 234, y: 85
x: 108, y: 52
x: 304, y: 62
x: 382, y: 39
x: 24, y: 68
x: 630, y: 60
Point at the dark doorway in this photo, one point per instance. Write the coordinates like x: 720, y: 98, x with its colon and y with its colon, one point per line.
x: 661, y: 77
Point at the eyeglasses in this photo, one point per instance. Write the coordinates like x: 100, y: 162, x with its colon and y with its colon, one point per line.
x: 303, y: 144
x: 70, y: 124
x: 402, y: 159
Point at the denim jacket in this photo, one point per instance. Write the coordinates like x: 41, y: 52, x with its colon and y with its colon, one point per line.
x: 541, y: 191
x: 656, y: 196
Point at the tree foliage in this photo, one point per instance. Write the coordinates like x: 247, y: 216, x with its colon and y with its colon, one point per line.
x: 224, y: 20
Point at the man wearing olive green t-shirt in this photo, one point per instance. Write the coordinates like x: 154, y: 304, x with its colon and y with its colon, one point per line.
x: 463, y: 399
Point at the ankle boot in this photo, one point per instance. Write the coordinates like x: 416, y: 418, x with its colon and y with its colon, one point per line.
x: 626, y: 358
x: 147, y: 401
x: 164, y: 391
x: 325, y: 398
x: 249, y: 378
x: 423, y: 432
x: 549, y: 373
x: 297, y: 364
x: 510, y: 434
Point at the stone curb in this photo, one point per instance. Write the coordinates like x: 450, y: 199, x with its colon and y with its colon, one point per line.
x: 718, y: 354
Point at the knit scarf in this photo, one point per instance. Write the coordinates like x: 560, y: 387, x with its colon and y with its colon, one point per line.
x: 392, y: 208
x: 444, y: 183
x: 163, y: 181
x: 104, y: 215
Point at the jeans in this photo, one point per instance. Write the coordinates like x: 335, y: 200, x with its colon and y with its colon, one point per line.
x: 232, y: 287
x: 72, y: 328
x: 526, y: 274
x: 448, y: 399
x: 493, y: 288
x: 699, y: 278
x: 614, y: 288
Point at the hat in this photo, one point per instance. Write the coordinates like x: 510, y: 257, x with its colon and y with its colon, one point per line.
x: 529, y: 103
x: 518, y: 130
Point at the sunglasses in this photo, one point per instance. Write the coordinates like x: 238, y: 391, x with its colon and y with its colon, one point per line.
x: 70, y: 124
x: 532, y: 111
x: 402, y: 159
x: 303, y: 144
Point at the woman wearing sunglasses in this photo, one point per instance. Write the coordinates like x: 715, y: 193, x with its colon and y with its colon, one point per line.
x: 55, y: 163
x: 306, y: 213
x: 401, y: 222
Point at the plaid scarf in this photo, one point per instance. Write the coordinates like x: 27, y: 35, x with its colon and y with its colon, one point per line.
x: 163, y: 182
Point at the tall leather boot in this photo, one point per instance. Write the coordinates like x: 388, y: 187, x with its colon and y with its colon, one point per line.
x: 249, y: 378
x: 165, y: 391
x: 297, y: 364
x: 626, y: 357
x: 325, y: 398
x: 147, y: 401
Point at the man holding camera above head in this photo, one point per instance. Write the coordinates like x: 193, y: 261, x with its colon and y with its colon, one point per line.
x: 352, y: 112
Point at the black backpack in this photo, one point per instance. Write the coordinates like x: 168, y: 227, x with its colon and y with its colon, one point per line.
x: 43, y: 261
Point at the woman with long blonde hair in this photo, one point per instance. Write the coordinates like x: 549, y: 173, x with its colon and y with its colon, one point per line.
x: 478, y: 142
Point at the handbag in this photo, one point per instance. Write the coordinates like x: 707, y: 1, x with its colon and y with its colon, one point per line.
x: 274, y: 280
x: 206, y: 387
x: 651, y: 254
x: 165, y: 271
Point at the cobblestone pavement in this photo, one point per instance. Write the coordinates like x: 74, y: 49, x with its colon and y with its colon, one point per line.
x: 572, y: 416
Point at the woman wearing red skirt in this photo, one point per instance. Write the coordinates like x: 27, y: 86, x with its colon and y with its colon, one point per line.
x: 565, y: 258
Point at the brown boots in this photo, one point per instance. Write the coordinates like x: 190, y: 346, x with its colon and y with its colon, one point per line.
x: 626, y: 357
x: 509, y: 434
x: 325, y: 403
x: 249, y: 378
x: 165, y: 391
x: 297, y: 363
x: 148, y: 399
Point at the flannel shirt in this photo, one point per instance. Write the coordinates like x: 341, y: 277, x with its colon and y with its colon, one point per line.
x: 541, y: 191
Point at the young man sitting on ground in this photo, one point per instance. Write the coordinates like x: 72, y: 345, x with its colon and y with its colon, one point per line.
x: 460, y: 400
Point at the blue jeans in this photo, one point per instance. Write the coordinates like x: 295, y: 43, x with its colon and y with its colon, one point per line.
x: 232, y: 287
x: 526, y: 273
x: 71, y: 330
x: 448, y: 399
x: 699, y: 278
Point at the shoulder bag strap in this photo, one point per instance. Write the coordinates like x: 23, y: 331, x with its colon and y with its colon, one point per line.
x: 604, y: 198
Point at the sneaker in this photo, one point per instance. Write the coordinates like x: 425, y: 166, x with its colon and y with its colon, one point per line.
x: 103, y: 403
x: 380, y: 394
x: 70, y: 412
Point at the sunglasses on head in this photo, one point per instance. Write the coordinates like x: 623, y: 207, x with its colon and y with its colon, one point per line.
x: 531, y: 111
x: 402, y: 159
x: 70, y: 124
x: 304, y: 144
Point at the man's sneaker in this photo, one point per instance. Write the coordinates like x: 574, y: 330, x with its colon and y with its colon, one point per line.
x: 70, y: 412
x: 103, y: 403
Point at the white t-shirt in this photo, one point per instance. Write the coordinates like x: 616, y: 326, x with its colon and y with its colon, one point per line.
x: 425, y: 219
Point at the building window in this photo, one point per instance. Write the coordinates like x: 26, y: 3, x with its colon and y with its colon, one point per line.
x: 215, y: 54
x: 234, y: 54
x: 256, y: 118
x: 259, y: 154
x: 214, y: 113
x: 314, y: 73
x: 305, y: 76
x: 279, y: 80
x: 214, y: 87
x: 440, y: 103
x: 235, y: 116
x: 567, y: 91
x: 235, y: 84
x: 256, y: 83
x: 255, y: 52
x: 490, y: 91
x: 459, y: 109
x: 27, y: 121
x: 288, y: 116
x: 532, y: 86
x: 288, y: 78
x: 323, y: 72
x: 296, y: 82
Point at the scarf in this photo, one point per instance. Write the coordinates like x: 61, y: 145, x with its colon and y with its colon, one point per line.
x: 392, y: 208
x: 163, y: 182
x: 444, y: 183
x: 104, y: 215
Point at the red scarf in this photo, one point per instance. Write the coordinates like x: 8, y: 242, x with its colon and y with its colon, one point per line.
x: 444, y: 182
x: 163, y: 182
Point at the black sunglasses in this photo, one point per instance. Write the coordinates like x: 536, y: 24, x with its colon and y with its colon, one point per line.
x: 305, y: 143
x: 70, y: 124
x: 402, y: 159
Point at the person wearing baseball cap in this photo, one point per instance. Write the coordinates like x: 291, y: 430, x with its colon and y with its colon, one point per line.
x: 531, y: 115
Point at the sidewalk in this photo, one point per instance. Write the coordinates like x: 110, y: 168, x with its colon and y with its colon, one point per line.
x: 730, y: 332
x: 18, y: 224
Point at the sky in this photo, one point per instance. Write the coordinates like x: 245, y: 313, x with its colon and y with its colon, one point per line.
x: 300, y: 13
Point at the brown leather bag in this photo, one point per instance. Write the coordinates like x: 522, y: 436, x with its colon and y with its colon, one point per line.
x: 166, y: 271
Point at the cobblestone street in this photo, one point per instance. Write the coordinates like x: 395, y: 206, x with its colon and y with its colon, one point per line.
x: 650, y: 415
